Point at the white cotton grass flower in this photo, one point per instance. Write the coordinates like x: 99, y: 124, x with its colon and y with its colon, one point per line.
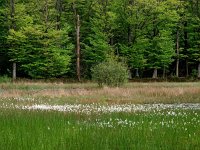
x: 96, y: 108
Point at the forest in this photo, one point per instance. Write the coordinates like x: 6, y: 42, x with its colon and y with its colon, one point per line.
x: 41, y: 39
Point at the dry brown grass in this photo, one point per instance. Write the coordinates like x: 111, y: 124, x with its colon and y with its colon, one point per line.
x: 89, y: 93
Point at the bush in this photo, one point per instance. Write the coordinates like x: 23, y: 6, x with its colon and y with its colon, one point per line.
x: 110, y: 73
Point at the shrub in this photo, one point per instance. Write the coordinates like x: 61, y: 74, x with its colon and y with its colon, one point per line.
x: 110, y: 73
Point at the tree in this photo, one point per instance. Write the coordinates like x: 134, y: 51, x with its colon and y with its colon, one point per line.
x: 194, y: 33
x: 48, y: 54
x: 41, y: 48
x: 134, y: 54
x: 130, y: 32
x: 163, y: 18
x: 13, y: 27
x: 78, y: 48
x: 145, y: 34
x: 3, y: 34
x: 96, y: 45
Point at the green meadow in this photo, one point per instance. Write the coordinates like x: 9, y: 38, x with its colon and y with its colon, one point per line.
x: 88, y: 118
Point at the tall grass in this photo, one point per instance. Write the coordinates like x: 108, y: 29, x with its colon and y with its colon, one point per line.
x: 90, y: 93
x: 40, y: 130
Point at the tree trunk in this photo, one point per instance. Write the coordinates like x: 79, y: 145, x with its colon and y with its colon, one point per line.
x: 186, y: 45
x: 187, y: 68
x: 13, y: 26
x: 137, y: 73
x: 130, y: 32
x: 177, y: 54
x: 59, y: 12
x: 12, y: 14
x: 199, y: 70
x: 155, y: 73
x: 129, y: 74
x: 46, y: 15
x: 129, y: 35
x: 111, y: 41
x: 14, y: 76
x: 164, y: 71
x: 78, y: 49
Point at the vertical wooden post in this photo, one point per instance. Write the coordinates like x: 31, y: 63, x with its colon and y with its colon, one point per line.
x: 78, y: 49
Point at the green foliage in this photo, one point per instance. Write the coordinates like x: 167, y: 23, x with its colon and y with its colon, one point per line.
x: 40, y: 35
x: 110, y: 73
x: 5, y: 79
x: 161, y: 50
x: 135, y: 53
x: 41, y: 55
x: 194, y: 35
x: 3, y: 31
x: 96, y: 46
x: 41, y: 50
x: 194, y: 73
x: 48, y: 56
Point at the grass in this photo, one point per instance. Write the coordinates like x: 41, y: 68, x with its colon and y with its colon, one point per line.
x: 54, y: 130
x: 177, y: 129
x: 59, y: 93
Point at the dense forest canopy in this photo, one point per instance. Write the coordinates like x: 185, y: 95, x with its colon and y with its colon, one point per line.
x: 153, y: 37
